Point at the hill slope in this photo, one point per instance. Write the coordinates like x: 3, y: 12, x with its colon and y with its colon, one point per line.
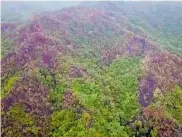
x: 97, y: 69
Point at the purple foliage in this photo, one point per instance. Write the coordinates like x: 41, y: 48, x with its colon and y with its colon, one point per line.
x: 7, y: 102
x: 29, y: 50
x: 142, y: 41
x: 26, y: 50
x: 7, y: 27
x: 47, y: 59
x: 146, y: 91
x: 4, y: 28
x: 77, y: 72
x: 38, y: 38
x: 8, y: 56
x: 23, y: 37
x: 129, y: 48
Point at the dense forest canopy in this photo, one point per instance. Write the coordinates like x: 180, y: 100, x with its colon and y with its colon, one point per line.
x: 91, y: 69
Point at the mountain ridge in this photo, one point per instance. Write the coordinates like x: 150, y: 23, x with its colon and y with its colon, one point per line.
x: 90, y: 69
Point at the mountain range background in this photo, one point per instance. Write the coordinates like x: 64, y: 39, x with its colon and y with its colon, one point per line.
x: 81, y: 69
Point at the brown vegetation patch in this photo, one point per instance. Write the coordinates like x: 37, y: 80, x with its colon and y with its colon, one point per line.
x: 76, y: 71
x: 32, y: 94
x: 166, y: 68
x: 147, y: 87
x: 166, y: 127
x: 68, y: 99
x: 132, y: 46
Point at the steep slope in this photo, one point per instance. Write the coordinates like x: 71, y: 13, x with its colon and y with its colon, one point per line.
x: 161, y: 21
x: 90, y: 71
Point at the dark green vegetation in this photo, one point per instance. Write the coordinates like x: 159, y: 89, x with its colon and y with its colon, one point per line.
x: 99, y: 69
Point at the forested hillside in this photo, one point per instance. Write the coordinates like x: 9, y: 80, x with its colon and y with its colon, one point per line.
x: 96, y: 69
